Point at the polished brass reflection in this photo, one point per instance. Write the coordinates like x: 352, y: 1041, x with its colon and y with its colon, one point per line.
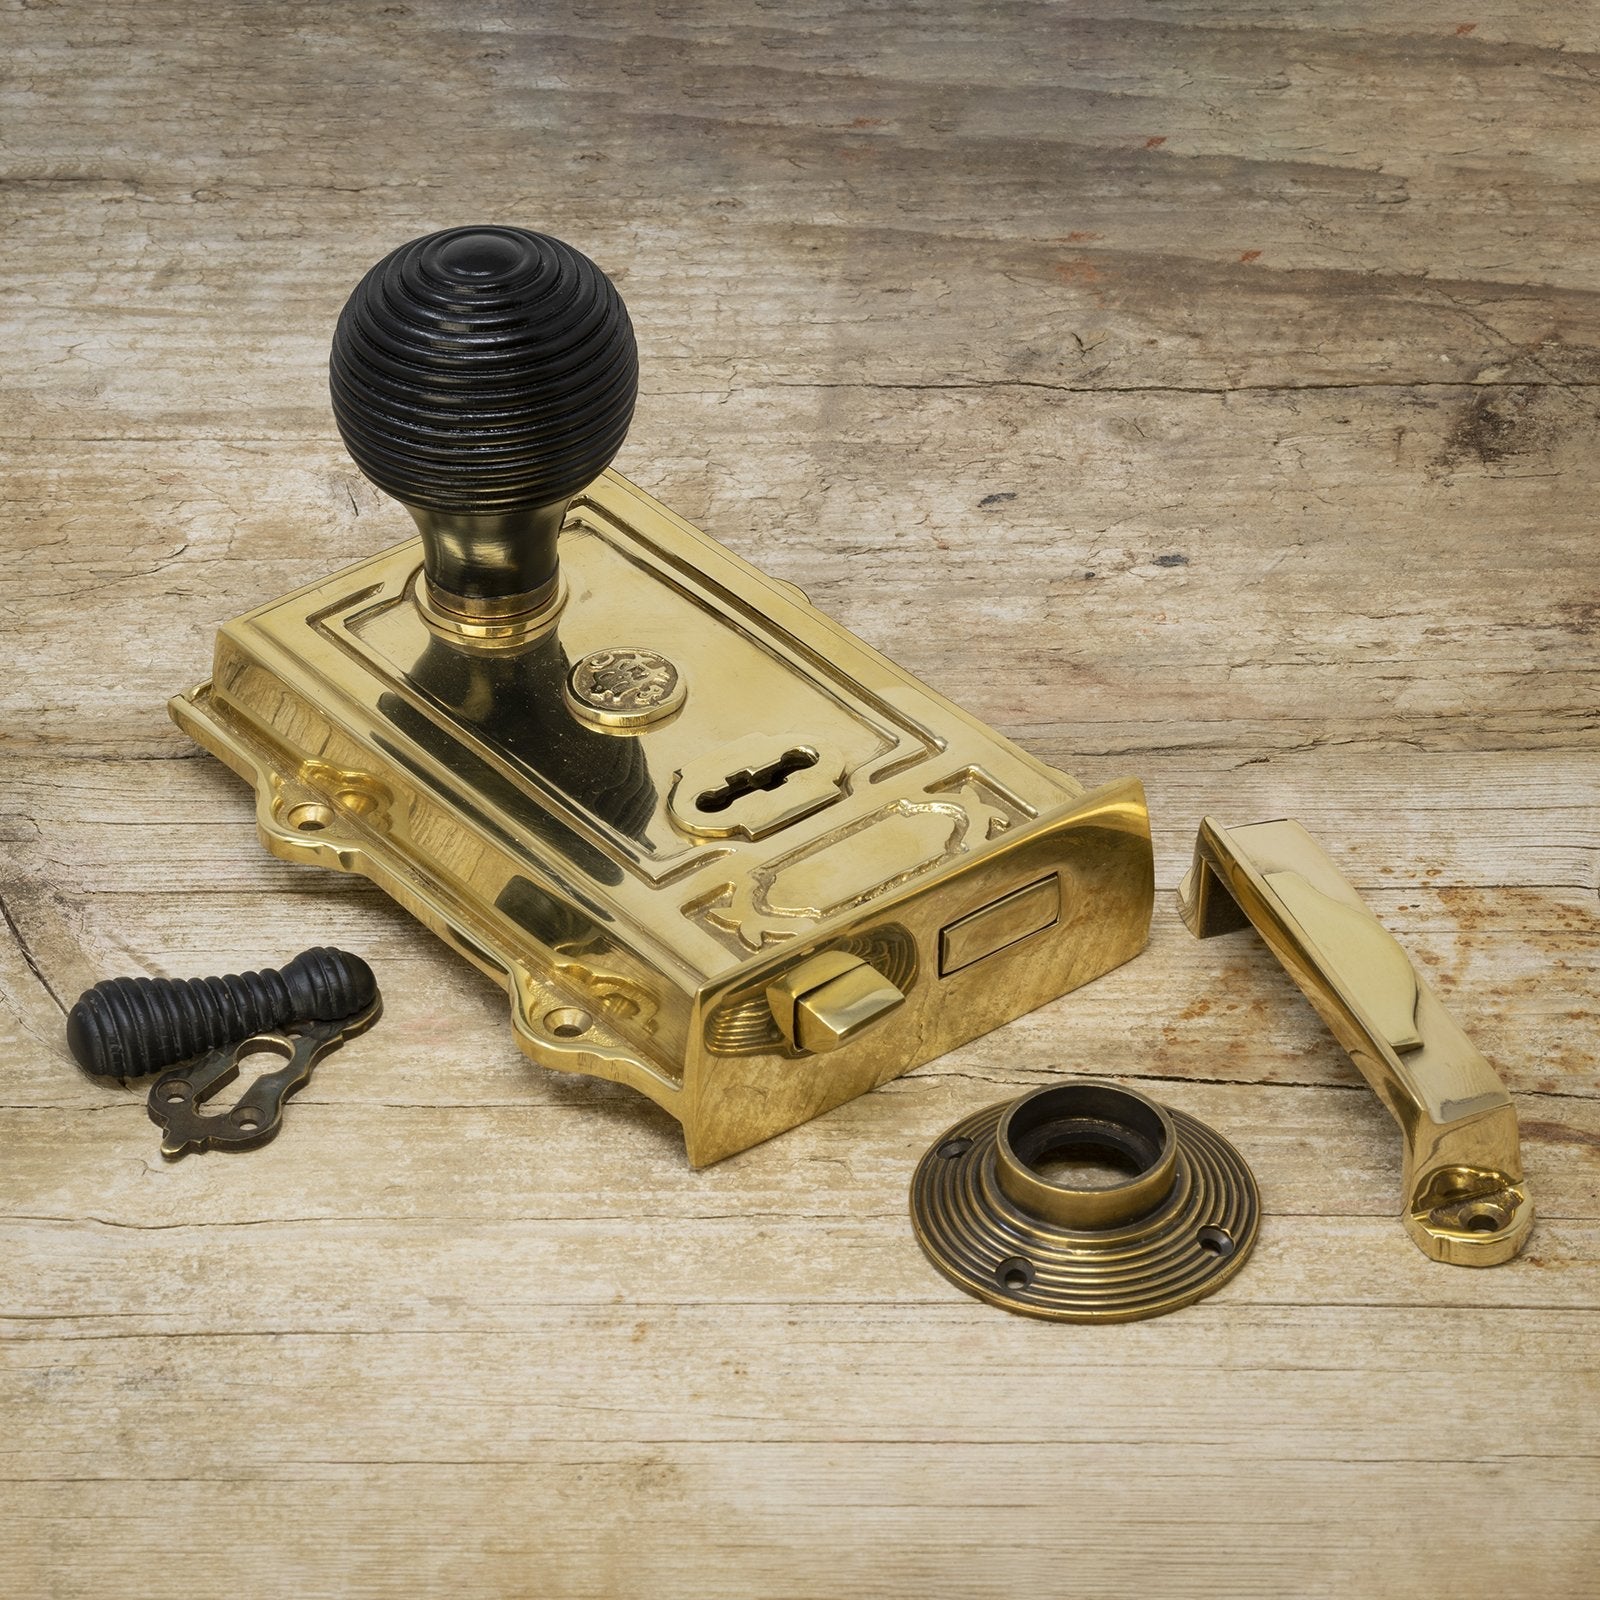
x: 1465, y: 1201
x: 994, y: 1212
x: 647, y: 800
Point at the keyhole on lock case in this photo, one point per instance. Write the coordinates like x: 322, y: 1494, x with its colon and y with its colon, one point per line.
x: 772, y: 776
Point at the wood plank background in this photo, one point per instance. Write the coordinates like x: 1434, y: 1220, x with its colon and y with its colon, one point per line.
x: 1199, y: 390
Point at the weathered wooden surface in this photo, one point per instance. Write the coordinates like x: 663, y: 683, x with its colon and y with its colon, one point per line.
x: 1204, y: 391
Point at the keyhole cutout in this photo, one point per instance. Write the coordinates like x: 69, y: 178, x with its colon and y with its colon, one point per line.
x: 772, y: 776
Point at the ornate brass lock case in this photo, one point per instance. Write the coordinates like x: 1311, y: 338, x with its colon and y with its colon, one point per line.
x: 714, y: 846
x: 639, y: 938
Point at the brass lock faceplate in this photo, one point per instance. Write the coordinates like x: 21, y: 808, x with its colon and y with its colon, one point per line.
x: 641, y: 851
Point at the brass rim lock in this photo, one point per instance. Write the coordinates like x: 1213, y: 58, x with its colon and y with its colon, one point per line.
x: 713, y: 846
x: 996, y: 1213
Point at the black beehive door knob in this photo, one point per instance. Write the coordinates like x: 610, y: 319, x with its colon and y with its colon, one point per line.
x: 483, y: 377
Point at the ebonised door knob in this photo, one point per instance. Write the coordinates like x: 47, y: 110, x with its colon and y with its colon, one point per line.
x: 483, y: 376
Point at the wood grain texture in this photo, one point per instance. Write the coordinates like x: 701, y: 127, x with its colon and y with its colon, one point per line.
x: 1204, y: 391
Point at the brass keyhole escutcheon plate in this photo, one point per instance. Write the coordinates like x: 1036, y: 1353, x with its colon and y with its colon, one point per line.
x: 994, y: 1213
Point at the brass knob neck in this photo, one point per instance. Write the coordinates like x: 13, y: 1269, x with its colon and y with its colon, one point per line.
x: 491, y: 565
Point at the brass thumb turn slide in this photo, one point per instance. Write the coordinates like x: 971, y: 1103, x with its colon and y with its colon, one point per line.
x: 1464, y: 1198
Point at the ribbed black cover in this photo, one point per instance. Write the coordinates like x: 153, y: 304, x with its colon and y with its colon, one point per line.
x: 484, y: 370
x: 125, y: 1027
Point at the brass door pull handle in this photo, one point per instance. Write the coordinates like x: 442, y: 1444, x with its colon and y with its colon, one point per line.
x: 1465, y: 1201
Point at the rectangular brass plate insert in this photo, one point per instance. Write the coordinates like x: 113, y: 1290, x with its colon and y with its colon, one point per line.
x: 643, y: 891
x: 995, y: 927
x: 1465, y: 1200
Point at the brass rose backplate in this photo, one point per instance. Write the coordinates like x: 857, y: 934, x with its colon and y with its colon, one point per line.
x: 996, y: 1213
